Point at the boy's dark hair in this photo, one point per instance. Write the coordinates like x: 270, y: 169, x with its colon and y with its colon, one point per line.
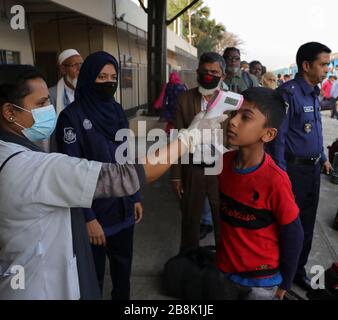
x: 210, y: 57
x: 269, y: 102
x: 13, y: 82
x: 309, y: 52
x: 229, y: 49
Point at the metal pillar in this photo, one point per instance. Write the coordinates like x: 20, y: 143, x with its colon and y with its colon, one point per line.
x: 157, y: 50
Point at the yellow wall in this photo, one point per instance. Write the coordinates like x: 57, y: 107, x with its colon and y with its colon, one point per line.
x: 71, y: 34
x: 110, y: 42
x: 135, y: 48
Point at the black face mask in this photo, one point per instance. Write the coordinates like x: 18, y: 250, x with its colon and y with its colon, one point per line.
x: 105, y: 90
x: 208, y: 81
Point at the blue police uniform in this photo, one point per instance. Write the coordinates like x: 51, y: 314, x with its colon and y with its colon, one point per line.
x: 76, y: 136
x: 298, y: 149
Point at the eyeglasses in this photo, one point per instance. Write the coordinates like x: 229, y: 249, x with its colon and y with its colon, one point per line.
x: 77, y: 65
x: 233, y: 58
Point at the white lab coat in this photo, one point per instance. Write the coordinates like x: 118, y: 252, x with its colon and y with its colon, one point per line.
x: 36, y: 192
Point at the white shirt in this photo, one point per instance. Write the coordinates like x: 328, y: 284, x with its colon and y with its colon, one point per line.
x: 70, y: 94
x: 204, y: 103
x: 36, y: 192
x: 203, y: 152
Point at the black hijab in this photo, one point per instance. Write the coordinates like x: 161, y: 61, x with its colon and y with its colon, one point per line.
x: 107, y: 116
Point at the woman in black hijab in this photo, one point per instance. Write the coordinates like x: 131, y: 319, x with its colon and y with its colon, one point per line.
x: 87, y: 129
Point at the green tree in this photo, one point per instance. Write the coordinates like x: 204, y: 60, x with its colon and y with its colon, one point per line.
x: 201, y: 31
x: 229, y: 39
x: 208, y: 32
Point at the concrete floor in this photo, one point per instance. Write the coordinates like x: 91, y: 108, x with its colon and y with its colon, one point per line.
x: 157, y: 236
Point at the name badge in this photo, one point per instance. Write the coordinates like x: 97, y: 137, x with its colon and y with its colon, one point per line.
x: 308, y: 109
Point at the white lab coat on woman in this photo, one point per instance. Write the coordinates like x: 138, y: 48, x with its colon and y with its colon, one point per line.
x: 36, y: 192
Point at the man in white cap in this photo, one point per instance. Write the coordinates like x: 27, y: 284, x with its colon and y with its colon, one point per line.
x: 62, y: 94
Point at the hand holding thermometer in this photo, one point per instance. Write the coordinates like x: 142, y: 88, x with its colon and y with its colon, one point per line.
x: 223, y: 101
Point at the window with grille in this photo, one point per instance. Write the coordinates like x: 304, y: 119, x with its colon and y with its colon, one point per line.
x: 9, y: 57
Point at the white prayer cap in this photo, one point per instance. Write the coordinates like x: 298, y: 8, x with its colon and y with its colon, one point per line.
x: 64, y: 55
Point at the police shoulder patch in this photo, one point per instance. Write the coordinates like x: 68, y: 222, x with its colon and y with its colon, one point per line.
x: 69, y: 135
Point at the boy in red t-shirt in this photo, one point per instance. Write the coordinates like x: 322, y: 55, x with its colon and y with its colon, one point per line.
x: 261, y: 233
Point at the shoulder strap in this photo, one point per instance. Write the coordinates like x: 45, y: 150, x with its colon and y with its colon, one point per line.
x: 10, y: 157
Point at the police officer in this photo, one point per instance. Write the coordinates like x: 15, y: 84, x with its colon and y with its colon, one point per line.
x: 87, y: 129
x: 298, y: 148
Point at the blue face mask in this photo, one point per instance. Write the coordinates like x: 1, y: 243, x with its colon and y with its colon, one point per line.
x: 44, y: 123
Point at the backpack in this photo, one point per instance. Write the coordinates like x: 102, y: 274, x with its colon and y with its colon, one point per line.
x: 193, y: 275
x: 9, y: 158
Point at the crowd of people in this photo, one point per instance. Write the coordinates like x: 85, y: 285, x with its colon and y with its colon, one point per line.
x: 65, y: 211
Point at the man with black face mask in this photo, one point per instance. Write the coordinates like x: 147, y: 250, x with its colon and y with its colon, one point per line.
x: 189, y: 181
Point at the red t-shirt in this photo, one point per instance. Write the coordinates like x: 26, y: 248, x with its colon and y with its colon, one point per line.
x: 253, y: 206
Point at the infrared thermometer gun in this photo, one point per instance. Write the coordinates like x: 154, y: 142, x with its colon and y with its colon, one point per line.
x: 223, y: 101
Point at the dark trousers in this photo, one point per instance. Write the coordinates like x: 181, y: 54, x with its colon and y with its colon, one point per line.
x: 197, y: 186
x: 119, y: 250
x: 305, y: 181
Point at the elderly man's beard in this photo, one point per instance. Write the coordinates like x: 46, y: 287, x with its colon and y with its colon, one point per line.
x: 73, y: 82
x: 233, y: 70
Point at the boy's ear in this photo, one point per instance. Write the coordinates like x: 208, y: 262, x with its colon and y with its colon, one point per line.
x: 270, y: 134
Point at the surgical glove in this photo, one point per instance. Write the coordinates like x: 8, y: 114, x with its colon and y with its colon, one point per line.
x: 200, y: 131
